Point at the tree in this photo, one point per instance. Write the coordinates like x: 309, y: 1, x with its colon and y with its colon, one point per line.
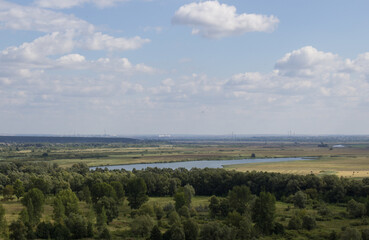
x: 142, y: 225
x: 174, y: 218
x: 8, y: 192
x: 110, y: 205
x: 100, y: 190
x: 3, y: 223
x: 238, y: 197
x: 176, y: 232
x: 58, y: 211
x: 18, y: 188
x: 136, y: 192
x: 355, y: 209
x: 300, y: 199
x: 118, y: 187
x: 216, y: 231
x: 77, y: 225
x: 34, y: 201
x: 189, y: 192
x: 263, y: 212
x: 295, y: 222
x: 350, y: 234
x: 101, y: 219
x: 179, y: 198
x: 69, y: 201
x: 191, y: 229
x: 245, y: 230
x: 214, y: 206
x: 18, y: 230
x: 308, y: 222
x: 155, y: 233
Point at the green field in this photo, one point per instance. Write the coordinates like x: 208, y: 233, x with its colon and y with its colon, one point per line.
x: 351, y: 161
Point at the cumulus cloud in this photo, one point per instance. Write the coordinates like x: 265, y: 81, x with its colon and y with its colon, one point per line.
x: 308, y: 61
x: 17, y: 17
x: 57, y: 4
x: 84, y: 34
x: 211, y: 19
x: 99, y: 41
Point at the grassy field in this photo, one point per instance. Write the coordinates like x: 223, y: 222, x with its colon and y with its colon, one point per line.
x: 120, y: 226
x: 350, y: 161
x: 350, y: 166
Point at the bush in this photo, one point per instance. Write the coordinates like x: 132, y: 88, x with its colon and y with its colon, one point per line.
x: 308, y: 222
x: 142, y: 225
x: 355, y: 209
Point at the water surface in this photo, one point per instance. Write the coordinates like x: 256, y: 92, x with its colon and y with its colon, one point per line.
x: 196, y: 164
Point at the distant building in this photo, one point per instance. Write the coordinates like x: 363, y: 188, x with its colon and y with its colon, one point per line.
x: 338, y: 146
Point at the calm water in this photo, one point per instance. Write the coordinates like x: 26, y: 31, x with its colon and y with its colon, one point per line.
x: 197, y: 164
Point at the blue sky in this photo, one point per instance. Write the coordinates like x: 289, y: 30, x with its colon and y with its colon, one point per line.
x: 184, y: 67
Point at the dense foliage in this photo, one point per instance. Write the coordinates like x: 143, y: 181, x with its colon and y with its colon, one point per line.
x: 241, y: 205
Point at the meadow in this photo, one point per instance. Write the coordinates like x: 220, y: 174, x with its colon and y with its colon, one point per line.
x: 351, y: 161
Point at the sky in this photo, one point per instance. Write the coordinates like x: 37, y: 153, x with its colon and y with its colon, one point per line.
x: 132, y: 67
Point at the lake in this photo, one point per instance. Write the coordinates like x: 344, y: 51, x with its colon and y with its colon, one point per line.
x: 197, y: 164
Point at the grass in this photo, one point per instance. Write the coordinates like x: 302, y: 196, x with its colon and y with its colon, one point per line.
x: 351, y: 161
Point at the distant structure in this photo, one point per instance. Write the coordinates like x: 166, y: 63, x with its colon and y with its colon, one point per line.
x: 165, y: 135
x: 338, y: 146
x: 322, y: 144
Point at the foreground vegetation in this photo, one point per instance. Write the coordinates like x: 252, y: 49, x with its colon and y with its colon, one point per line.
x: 43, y: 201
x: 48, y: 191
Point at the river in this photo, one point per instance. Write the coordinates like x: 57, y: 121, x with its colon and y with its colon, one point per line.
x: 197, y: 164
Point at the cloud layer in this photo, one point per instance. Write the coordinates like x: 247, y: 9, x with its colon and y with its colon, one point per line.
x: 57, y: 4
x: 211, y: 19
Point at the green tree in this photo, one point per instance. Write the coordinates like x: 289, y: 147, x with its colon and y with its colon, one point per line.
x: 216, y: 231
x: 100, y: 190
x: 155, y: 233
x: 191, y: 229
x: 355, y: 209
x: 300, y: 199
x: 34, y: 201
x: 136, y: 192
x: 18, y: 188
x: 69, y: 201
x: 101, y: 219
x: 263, y: 212
x: 3, y: 223
x: 189, y: 192
x: 18, y: 230
x: 179, y: 198
x: 350, y: 234
x: 77, y: 225
x: 111, y: 208
x: 214, y: 206
x: 245, y: 230
x: 176, y: 232
x: 58, y: 210
x: 118, y: 187
x: 174, y: 218
x: 308, y: 222
x: 8, y: 192
x: 295, y: 222
x: 142, y: 225
x: 239, y: 197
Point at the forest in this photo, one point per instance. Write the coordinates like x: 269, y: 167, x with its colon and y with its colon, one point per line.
x: 76, y: 203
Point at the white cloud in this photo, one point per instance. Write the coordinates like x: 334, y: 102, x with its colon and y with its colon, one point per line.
x: 99, y: 41
x: 84, y: 34
x: 58, y: 4
x: 48, y: 45
x: 308, y: 61
x: 17, y: 17
x: 214, y: 20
